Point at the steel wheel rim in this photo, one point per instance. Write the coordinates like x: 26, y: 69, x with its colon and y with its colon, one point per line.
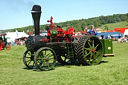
x: 93, y: 50
x: 28, y: 60
x: 45, y: 59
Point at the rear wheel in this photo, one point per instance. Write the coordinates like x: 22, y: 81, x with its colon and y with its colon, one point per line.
x: 45, y: 58
x: 90, y: 51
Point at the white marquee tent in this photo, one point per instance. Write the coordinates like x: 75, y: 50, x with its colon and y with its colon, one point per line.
x: 126, y: 32
x: 15, y: 35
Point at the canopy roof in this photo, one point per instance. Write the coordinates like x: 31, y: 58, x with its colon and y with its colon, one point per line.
x: 126, y: 32
x: 16, y: 35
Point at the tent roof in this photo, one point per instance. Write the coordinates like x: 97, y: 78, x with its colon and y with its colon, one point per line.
x: 16, y: 35
x: 126, y: 32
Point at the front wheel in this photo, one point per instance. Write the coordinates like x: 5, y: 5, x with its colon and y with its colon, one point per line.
x: 45, y: 58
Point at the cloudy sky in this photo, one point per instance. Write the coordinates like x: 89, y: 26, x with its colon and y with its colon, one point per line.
x: 17, y: 13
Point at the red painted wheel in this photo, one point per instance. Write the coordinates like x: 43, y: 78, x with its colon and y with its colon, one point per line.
x: 0, y: 47
x: 8, y: 47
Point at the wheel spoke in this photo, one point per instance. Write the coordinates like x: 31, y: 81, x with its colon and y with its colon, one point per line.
x: 94, y: 56
x: 45, y: 52
x: 96, y: 46
x: 39, y: 58
x: 98, y: 52
x: 87, y: 55
x: 50, y: 55
x: 90, y: 59
x: 51, y: 58
x: 29, y: 53
x: 27, y: 57
x: 41, y: 54
x: 89, y: 44
x: 86, y: 48
x: 48, y: 64
x: 85, y: 52
x: 93, y: 43
x: 40, y: 64
x: 33, y: 64
x: 29, y: 62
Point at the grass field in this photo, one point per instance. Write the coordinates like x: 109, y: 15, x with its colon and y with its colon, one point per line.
x: 111, y: 71
x: 112, y: 26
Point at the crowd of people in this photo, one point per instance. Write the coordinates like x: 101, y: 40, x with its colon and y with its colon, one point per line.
x: 123, y: 39
x: 12, y: 43
x: 93, y: 31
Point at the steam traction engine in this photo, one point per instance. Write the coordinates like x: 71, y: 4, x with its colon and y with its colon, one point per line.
x: 3, y: 43
x: 59, y: 45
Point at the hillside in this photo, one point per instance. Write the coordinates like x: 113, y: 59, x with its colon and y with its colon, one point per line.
x: 112, y: 26
x: 111, y: 21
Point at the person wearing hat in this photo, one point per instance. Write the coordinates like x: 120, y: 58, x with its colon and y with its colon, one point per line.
x: 92, y: 31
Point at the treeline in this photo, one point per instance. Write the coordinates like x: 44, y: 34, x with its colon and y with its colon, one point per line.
x: 81, y: 23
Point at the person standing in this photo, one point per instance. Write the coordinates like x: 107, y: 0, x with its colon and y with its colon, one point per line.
x: 86, y: 29
x: 92, y: 31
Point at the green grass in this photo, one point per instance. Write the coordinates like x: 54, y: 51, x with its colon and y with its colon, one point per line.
x: 111, y: 71
x: 112, y: 26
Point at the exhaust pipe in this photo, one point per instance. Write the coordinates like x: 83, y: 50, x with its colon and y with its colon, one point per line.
x: 36, y: 13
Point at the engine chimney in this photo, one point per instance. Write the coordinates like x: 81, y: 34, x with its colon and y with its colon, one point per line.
x: 36, y: 13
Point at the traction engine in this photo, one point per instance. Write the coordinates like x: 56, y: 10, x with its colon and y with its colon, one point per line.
x: 3, y: 42
x: 59, y: 45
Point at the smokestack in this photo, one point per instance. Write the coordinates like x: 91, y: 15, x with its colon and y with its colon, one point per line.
x: 36, y: 13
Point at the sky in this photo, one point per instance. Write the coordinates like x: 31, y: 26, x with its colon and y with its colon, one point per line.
x: 17, y: 13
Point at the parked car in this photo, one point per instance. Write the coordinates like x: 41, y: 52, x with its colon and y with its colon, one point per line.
x: 109, y: 35
x: 44, y: 33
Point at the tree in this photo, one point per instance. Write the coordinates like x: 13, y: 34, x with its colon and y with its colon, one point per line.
x: 127, y: 17
x: 106, y: 27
